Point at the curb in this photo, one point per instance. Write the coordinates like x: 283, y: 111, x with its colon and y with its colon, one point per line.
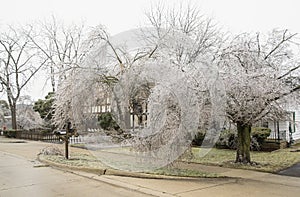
x: 99, y: 175
x: 122, y: 184
x: 114, y: 172
x: 70, y: 168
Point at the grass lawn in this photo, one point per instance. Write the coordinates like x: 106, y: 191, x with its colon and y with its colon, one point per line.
x: 266, y: 161
x: 76, y: 160
x: 185, y: 173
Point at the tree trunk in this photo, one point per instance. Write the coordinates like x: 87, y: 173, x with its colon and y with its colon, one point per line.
x: 67, y: 146
x: 243, y: 147
x: 13, y: 110
x: 68, y: 134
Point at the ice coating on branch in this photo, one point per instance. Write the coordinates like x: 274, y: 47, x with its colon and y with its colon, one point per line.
x: 177, y: 104
x: 180, y: 99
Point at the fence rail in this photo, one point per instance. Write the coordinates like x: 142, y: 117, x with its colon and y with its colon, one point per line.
x: 76, y: 139
x: 39, y: 136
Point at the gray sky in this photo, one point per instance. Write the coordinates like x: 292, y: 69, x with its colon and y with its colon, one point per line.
x: 119, y: 15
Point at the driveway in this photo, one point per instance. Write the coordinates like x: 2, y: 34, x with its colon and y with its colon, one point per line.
x: 292, y: 171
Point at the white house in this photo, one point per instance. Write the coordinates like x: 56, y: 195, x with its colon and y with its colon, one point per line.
x: 287, y: 129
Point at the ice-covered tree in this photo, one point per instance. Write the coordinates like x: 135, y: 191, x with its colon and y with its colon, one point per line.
x: 27, y: 118
x: 260, y: 75
x: 182, y: 33
x: 167, y: 65
x: 84, y: 81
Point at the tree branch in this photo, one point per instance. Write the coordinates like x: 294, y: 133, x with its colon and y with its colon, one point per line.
x: 289, y: 72
x: 284, y: 39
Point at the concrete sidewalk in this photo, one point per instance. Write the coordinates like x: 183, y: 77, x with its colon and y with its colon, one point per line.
x: 238, y: 183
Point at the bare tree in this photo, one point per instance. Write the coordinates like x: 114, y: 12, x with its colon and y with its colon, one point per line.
x: 80, y: 74
x: 65, y: 47
x: 260, y: 73
x: 19, y: 63
x: 61, y: 45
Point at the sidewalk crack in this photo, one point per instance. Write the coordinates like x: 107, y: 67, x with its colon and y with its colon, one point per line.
x: 208, y: 187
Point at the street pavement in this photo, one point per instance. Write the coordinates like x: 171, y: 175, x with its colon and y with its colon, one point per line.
x: 292, y: 171
x: 22, y: 175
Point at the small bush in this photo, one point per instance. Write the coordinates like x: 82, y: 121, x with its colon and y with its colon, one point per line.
x: 51, y: 150
x: 260, y: 133
x: 227, y: 139
x: 10, y: 133
x: 198, y: 138
x: 107, y: 122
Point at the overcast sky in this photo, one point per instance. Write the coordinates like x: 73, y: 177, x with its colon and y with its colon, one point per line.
x: 120, y: 15
x: 235, y: 16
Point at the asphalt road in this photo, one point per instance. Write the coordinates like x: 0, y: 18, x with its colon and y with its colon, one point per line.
x: 291, y: 171
x: 20, y: 177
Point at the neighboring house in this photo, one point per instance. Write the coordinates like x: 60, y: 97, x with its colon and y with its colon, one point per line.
x: 5, y: 118
x: 135, y: 119
x: 5, y: 123
x: 289, y: 129
x: 103, y: 106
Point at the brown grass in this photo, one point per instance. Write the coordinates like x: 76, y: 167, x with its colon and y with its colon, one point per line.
x: 262, y: 161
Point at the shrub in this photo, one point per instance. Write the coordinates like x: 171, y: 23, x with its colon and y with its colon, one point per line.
x: 198, y: 138
x: 51, y: 150
x: 260, y: 133
x: 107, y: 122
x: 227, y: 139
x: 10, y: 133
